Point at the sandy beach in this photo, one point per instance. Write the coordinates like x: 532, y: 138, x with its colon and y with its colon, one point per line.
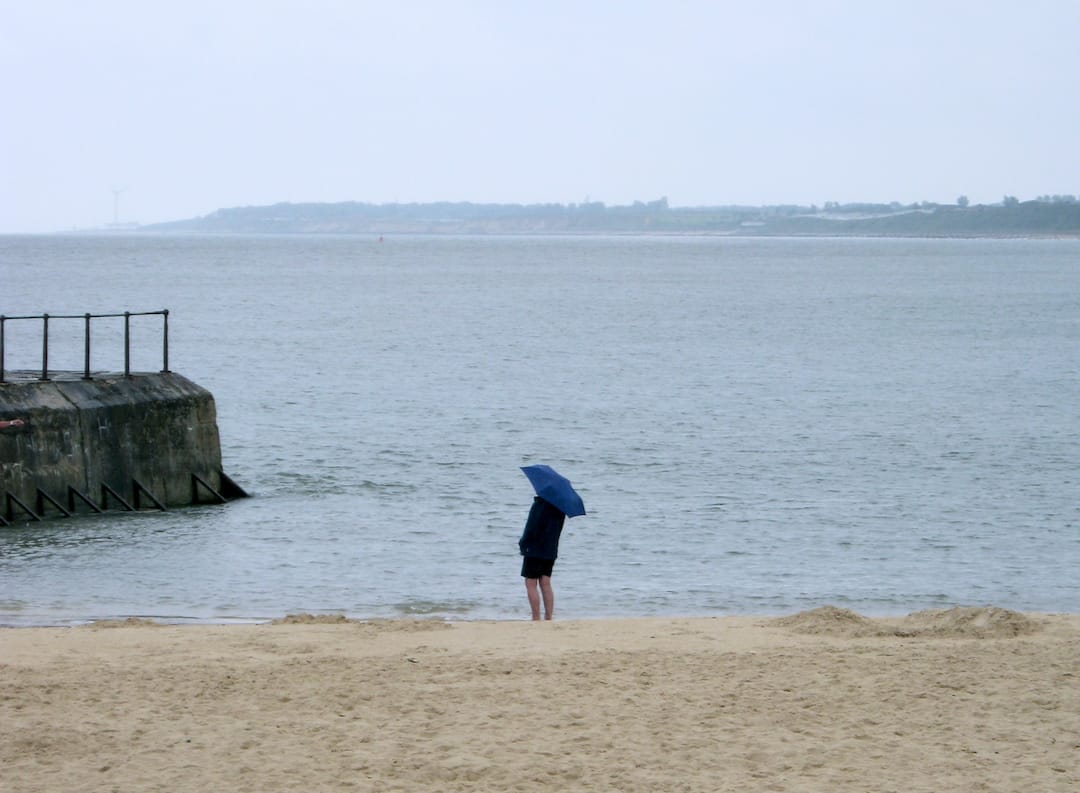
x: 827, y: 700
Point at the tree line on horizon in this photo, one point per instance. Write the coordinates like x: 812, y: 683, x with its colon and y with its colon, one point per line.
x: 1046, y: 215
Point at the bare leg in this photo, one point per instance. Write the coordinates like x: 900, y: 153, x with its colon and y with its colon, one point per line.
x: 549, y: 597
x: 534, y: 596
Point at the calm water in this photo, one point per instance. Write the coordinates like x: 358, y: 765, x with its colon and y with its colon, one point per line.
x: 756, y: 426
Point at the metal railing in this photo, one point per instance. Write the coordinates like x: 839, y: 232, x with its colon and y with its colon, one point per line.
x: 127, y: 315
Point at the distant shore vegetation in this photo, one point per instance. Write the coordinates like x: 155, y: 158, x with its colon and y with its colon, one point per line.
x: 1045, y: 216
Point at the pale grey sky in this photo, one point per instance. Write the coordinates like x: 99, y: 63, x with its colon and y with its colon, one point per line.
x: 192, y: 105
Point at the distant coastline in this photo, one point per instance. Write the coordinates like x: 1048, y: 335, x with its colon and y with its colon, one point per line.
x: 1050, y: 217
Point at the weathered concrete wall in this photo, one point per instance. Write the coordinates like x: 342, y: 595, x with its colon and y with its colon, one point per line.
x: 156, y: 428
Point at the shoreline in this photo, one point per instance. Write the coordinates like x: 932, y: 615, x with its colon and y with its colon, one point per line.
x: 824, y: 700
x: 340, y: 617
x: 722, y: 234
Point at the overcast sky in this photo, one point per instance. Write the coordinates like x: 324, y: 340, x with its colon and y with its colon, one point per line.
x: 188, y: 106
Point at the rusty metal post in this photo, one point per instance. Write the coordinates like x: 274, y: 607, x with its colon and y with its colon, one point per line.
x: 127, y: 344
x: 1, y: 348
x: 165, y: 342
x: 86, y: 365
x: 44, y: 346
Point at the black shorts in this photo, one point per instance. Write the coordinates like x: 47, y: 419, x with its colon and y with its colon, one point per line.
x: 531, y: 567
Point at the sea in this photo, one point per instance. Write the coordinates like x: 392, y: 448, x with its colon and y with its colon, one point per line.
x: 757, y: 426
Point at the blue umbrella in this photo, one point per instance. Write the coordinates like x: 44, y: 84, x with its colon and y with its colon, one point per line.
x: 555, y: 489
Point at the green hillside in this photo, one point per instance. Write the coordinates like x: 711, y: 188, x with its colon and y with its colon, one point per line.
x: 1044, y: 217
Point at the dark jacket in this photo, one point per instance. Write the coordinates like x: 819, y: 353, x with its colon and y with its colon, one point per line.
x: 542, y: 530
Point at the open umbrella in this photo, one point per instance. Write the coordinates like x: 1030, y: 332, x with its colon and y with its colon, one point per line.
x: 555, y: 489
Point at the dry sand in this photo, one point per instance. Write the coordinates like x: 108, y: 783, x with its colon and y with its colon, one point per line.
x: 959, y: 700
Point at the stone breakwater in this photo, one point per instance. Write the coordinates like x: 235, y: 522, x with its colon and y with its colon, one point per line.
x: 142, y: 440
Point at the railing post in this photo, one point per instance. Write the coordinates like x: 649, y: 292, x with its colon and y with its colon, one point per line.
x: 127, y: 344
x: 87, y: 341
x: 86, y: 365
x: 44, y: 346
x: 165, y: 342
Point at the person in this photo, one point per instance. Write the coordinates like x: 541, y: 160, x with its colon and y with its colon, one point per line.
x: 539, y: 545
x: 5, y: 423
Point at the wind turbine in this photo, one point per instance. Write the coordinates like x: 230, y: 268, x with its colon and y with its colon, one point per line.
x: 116, y: 191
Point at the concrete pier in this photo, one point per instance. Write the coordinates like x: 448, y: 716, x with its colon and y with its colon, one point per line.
x: 118, y: 441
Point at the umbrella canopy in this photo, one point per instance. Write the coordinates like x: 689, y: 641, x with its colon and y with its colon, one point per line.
x: 555, y: 489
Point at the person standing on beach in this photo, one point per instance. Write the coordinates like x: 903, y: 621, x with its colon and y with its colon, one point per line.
x: 539, y: 544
